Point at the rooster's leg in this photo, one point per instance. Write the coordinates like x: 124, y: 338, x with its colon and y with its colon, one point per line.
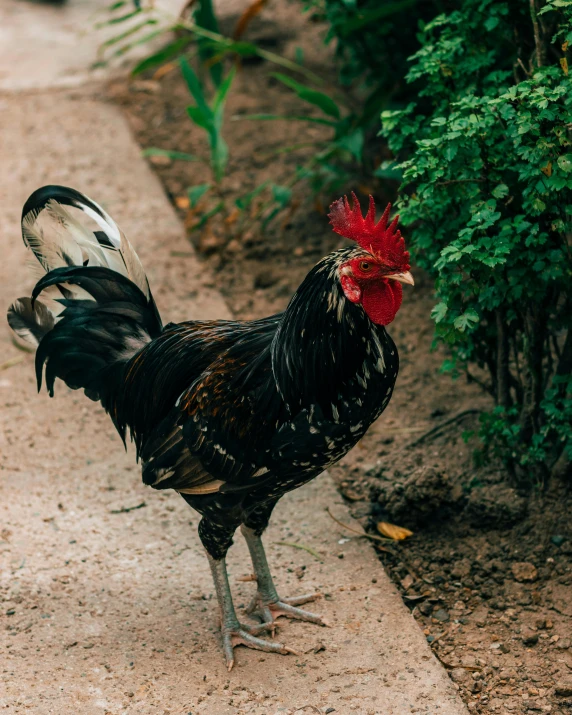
x: 267, y: 604
x: 233, y: 632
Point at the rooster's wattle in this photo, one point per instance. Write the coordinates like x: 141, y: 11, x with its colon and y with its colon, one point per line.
x: 230, y: 414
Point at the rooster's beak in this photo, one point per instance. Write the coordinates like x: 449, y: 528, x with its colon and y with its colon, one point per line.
x: 403, y: 278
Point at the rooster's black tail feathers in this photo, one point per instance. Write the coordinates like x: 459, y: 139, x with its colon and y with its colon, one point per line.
x: 96, y: 309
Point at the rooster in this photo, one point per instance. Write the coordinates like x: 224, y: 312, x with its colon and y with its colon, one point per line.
x: 230, y: 414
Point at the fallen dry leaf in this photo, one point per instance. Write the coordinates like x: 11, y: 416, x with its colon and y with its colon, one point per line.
x: 251, y: 11
x: 182, y: 202
x: 397, y: 533
x: 164, y: 70
x: 352, y: 494
x: 233, y: 216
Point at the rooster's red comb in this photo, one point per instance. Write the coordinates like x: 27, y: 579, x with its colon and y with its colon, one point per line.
x: 378, y: 238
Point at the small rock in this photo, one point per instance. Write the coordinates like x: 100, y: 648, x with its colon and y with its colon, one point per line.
x: 300, y: 572
x: 425, y: 608
x: 441, y: 615
x: 460, y: 675
x: 524, y: 571
x: 529, y: 637
x: 148, y: 86
x: 407, y: 582
x: 564, y: 644
x: 480, y: 616
x: 10, y: 611
x: 461, y: 569
x: 564, y: 687
x: 209, y: 241
x: 160, y: 160
x: 233, y: 246
x: 351, y: 494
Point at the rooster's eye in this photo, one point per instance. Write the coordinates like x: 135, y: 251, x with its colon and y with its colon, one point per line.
x: 365, y: 266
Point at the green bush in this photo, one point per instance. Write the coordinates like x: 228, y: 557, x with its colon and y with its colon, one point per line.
x: 475, y: 101
x: 486, y: 158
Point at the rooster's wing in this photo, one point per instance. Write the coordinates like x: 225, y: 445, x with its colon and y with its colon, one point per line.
x: 217, y: 436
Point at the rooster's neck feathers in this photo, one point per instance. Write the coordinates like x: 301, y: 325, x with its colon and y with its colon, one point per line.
x: 323, y: 339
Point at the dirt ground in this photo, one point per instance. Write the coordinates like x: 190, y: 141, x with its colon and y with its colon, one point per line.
x: 488, y: 570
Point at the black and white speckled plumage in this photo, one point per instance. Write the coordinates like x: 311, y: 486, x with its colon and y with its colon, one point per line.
x: 230, y: 414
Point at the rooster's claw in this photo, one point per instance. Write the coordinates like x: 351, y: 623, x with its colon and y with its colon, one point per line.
x: 231, y: 637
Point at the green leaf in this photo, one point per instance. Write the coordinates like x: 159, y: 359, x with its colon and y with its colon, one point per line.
x: 123, y: 18
x: 195, y: 88
x: 281, y: 194
x: 312, y: 96
x: 244, y: 49
x: 565, y: 163
x: 467, y: 320
x: 141, y: 40
x: 175, y: 155
x: 205, y: 17
x: 174, y: 49
x: 123, y: 35
x: 220, y: 96
x: 439, y: 312
x: 500, y: 191
x: 197, y: 116
x: 353, y: 142
x: 195, y: 193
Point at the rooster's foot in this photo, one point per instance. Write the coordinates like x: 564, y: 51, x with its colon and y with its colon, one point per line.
x: 242, y: 635
x: 269, y: 610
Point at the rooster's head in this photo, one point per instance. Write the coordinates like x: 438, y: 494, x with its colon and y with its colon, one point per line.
x: 373, y: 275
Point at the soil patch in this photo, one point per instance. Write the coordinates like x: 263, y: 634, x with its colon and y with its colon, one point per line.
x: 487, y: 573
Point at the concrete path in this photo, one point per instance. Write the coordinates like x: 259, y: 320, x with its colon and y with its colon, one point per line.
x: 43, y: 44
x: 108, y: 605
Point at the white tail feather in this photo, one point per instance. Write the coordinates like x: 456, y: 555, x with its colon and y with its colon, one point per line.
x: 59, y: 239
